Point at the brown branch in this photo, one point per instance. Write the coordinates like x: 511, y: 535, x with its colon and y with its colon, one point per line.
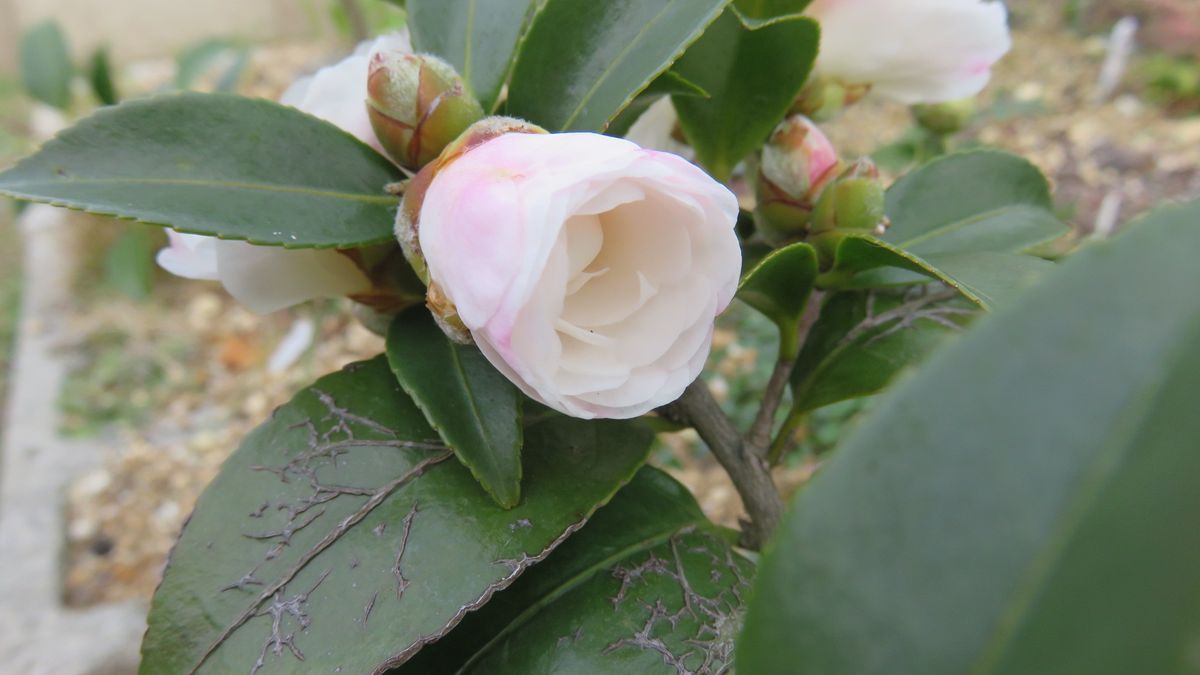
x: 760, y: 431
x: 747, y: 469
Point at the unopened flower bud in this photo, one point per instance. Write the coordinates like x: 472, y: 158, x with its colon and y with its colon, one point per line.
x: 408, y: 215
x: 797, y: 162
x: 946, y: 118
x: 852, y: 202
x: 418, y: 104
x: 823, y: 98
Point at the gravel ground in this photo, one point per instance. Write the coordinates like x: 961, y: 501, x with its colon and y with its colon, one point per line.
x: 200, y: 360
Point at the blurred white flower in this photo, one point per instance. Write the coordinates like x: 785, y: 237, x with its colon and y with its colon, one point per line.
x: 264, y: 278
x: 912, y: 51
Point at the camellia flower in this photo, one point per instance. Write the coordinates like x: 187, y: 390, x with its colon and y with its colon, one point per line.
x: 269, y: 278
x: 587, y: 269
x: 264, y: 278
x: 912, y: 51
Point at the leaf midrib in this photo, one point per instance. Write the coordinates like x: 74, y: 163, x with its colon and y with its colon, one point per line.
x: 1108, y: 463
x: 570, y: 584
x: 473, y: 406
x: 956, y: 225
x: 9, y: 188
x: 608, y: 71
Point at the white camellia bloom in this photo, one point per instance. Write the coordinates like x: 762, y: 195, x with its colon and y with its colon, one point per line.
x: 587, y: 269
x: 264, y: 278
x: 269, y: 278
x: 912, y: 51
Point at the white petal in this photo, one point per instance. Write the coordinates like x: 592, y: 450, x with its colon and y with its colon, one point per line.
x: 191, y: 256
x: 269, y: 278
x: 338, y: 93
x: 913, y: 51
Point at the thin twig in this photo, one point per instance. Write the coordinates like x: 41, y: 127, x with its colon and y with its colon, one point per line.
x: 759, y: 436
x: 746, y: 468
x: 760, y: 431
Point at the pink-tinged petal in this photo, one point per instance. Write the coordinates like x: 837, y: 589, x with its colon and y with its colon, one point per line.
x: 912, y: 51
x: 588, y: 269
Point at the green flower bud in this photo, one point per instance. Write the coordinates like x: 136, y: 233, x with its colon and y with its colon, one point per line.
x: 796, y: 163
x: 946, y: 118
x: 417, y: 104
x: 823, y: 98
x: 853, y: 201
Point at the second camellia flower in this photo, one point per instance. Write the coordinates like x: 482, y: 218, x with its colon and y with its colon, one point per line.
x: 587, y: 269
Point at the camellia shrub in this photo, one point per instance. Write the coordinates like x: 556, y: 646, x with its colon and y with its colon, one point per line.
x: 544, y: 205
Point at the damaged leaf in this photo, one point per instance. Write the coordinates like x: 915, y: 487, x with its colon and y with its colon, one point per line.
x: 648, y: 586
x: 342, y: 534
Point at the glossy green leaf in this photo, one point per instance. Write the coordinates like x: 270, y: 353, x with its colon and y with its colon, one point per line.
x: 752, y: 74
x: 583, y: 61
x: 762, y: 10
x: 779, y: 286
x: 100, y: 76
x: 666, y: 84
x: 978, y: 201
x: 472, y: 406
x: 1022, y: 504
x: 342, y: 533
x: 988, y: 279
x: 129, y: 262
x: 478, y: 37
x: 46, y: 69
x: 246, y: 169
x: 963, y: 219
x: 647, y: 515
x: 863, y: 340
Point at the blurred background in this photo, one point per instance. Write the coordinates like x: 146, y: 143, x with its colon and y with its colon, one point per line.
x: 122, y: 388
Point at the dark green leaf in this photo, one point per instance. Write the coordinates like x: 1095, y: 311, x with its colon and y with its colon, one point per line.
x: 1022, y: 504
x: 963, y: 219
x: 129, y: 263
x: 339, y: 532
x: 674, y: 608
x: 583, y: 61
x: 752, y: 75
x: 245, y: 169
x: 648, y: 514
x: 100, y: 76
x: 46, y: 69
x: 478, y: 37
x: 863, y: 340
x: 760, y: 10
x: 780, y: 287
x: 664, y: 85
x: 987, y: 279
x: 978, y: 201
x: 474, y: 408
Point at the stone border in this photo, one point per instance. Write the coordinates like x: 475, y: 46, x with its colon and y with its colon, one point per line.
x: 37, y: 633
